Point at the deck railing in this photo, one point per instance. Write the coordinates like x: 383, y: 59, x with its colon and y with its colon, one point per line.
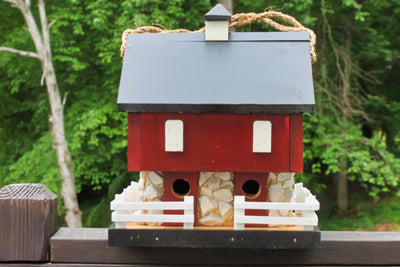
x: 29, y: 237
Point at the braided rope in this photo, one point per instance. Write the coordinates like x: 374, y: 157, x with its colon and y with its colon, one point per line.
x: 239, y: 20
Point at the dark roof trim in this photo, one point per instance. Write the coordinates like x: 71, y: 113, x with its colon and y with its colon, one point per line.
x: 218, y: 13
x: 216, y: 108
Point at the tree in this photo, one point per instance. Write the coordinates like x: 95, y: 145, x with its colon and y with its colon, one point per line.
x: 41, y: 40
x: 352, y: 136
x: 228, y: 4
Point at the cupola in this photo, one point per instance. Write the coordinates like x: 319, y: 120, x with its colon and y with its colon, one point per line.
x: 217, y: 20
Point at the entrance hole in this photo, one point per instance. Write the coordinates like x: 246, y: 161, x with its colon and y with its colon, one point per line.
x: 251, y: 189
x: 180, y: 188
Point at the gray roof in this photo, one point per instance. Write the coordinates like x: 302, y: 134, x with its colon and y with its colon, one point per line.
x: 268, y: 72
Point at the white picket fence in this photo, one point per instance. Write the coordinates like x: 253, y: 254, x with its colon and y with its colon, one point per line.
x: 123, y: 211
x: 304, y: 206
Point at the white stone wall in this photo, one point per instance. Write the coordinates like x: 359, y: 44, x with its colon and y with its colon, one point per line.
x: 280, y: 189
x: 215, y: 198
x: 150, y: 187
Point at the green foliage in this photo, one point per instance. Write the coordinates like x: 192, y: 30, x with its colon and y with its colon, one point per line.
x: 356, y: 124
x: 98, y: 214
x: 99, y: 146
x: 38, y: 165
x: 368, y: 161
x: 363, y: 215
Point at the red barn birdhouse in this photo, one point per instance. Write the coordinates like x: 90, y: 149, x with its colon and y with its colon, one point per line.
x: 215, y: 115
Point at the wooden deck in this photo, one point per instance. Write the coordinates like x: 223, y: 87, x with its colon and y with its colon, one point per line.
x: 23, y: 231
x: 90, y: 246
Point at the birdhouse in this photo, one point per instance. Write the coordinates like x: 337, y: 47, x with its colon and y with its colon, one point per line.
x: 216, y: 118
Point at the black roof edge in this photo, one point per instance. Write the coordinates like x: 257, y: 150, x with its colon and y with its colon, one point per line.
x: 217, y: 108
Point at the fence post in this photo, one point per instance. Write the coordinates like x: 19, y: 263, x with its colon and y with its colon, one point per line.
x: 299, y: 195
x: 308, y: 214
x: 120, y: 197
x: 238, y: 212
x: 188, y: 211
x: 28, y: 218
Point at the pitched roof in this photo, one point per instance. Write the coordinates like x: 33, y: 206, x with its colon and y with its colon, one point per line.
x: 268, y: 72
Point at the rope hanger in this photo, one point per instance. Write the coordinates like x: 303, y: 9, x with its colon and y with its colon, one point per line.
x: 239, y: 20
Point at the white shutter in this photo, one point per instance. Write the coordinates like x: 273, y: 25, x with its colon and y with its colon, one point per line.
x: 174, y: 136
x: 262, y: 131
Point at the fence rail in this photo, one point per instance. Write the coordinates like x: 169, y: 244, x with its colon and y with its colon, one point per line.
x: 305, y: 206
x: 304, y: 212
x: 124, y: 211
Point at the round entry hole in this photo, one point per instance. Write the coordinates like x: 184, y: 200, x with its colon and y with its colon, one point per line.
x: 181, y: 188
x: 251, y: 189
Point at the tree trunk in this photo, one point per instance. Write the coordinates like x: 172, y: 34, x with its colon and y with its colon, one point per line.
x: 228, y: 4
x: 41, y: 40
x: 73, y: 216
x: 68, y: 192
x: 342, y: 194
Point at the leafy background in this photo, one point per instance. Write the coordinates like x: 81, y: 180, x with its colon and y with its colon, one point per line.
x: 354, y: 132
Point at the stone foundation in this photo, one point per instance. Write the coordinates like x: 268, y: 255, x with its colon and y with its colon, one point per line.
x: 215, y: 194
x: 280, y: 189
x: 215, y: 198
x: 150, y: 187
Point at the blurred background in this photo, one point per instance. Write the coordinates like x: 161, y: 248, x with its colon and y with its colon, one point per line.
x: 351, y: 142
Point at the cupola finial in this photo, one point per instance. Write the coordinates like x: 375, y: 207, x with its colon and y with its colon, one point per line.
x: 217, y: 23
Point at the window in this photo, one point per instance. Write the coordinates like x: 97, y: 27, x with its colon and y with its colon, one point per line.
x: 174, y: 136
x: 262, y: 136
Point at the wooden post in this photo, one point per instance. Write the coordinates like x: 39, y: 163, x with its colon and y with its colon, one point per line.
x: 28, y: 218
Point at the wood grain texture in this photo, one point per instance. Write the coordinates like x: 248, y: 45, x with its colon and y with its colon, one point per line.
x: 212, y: 142
x: 49, y: 264
x: 134, y: 141
x: 170, y: 195
x: 262, y: 196
x: 28, y: 216
x: 296, y: 142
x: 337, y: 248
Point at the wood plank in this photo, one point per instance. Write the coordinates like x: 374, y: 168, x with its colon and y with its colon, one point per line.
x: 337, y: 248
x: 134, y: 142
x: 212, y: 142
x: 49, y: 264
x: 28, y: 218
x: 170, y: 195
x: 261, y: 179
x: 296, y: 142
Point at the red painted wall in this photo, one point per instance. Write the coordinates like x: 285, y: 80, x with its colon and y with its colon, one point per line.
x: 169, y: 195
x: 261, y: 179
x: 296, y: 142
x: 214, y: 142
